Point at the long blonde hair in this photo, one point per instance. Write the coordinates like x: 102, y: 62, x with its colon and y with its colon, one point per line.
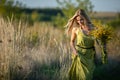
x: 71, y: 21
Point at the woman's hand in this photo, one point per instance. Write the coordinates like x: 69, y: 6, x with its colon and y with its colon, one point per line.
x: 75, y: 53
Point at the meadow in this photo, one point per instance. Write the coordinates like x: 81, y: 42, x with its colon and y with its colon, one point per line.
x: 42, y: 52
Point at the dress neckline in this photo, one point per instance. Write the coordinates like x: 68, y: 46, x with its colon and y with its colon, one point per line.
x: 83, y: 32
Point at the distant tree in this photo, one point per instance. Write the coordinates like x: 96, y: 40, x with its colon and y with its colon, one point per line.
x: 9, y: 7
x: 118, y: 13
x: 69, y: 7
x: 35, y: 16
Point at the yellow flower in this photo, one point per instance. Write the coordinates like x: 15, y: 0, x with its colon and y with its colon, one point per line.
x: 102, y: 32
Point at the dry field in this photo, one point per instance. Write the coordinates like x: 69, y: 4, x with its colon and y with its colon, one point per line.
x: 42, y: 52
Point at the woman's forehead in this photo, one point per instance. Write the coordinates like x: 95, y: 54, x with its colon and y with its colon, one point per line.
x: 78, y: 17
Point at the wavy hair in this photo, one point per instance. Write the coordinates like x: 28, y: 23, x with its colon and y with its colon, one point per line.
x: 71, y: 21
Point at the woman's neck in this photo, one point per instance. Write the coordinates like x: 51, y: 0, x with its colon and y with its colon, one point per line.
x: 85, y: 29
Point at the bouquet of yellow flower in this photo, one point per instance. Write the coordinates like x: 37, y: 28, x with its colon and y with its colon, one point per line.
x: 102, y: 33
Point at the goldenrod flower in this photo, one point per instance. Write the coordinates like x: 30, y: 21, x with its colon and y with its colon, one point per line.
x: 103, y: 33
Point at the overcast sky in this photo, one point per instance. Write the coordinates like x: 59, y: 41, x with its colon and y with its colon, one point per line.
x: 99, y: 5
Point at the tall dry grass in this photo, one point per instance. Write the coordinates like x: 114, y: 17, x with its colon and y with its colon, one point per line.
x: 42, y: 52
x: 38, y: 52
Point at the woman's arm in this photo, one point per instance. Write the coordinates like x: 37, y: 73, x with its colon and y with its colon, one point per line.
x: 72, y: 41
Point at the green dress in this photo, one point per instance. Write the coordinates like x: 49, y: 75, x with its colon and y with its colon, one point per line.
x: 83, y: 64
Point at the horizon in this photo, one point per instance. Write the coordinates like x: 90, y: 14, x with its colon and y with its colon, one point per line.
x: 99, y: 5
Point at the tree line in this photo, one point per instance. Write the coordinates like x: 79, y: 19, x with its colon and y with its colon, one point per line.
x: 65, y: 9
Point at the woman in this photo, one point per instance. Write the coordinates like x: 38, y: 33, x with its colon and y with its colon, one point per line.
x: 83, y: 50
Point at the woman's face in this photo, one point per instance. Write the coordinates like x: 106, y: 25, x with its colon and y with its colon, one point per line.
x: 80, y: 20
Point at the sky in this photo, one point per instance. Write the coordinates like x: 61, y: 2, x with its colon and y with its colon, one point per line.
x: 99, y: 5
